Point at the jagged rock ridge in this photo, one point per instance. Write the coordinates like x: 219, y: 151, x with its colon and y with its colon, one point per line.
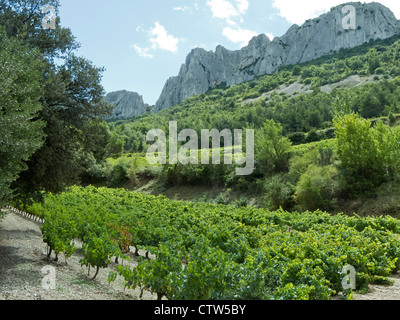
x: 204, y: 70
x: 127, y: 104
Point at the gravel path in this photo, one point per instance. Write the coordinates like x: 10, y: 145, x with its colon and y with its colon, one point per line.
x: 380, y: 292
x: 23, y: 257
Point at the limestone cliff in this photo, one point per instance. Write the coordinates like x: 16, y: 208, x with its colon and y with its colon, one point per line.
x: 204, y: 70
x: 127, y: 104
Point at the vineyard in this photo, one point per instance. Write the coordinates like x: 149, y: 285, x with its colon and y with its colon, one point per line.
x: 200, y: 251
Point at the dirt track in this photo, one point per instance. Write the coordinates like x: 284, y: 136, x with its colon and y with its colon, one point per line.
x: 23, y: 256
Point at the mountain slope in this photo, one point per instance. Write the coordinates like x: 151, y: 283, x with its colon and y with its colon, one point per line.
x: 204, y: 70
x: 127, y: 104
x: 302, y: 97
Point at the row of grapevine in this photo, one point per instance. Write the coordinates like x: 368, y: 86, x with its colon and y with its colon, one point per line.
x: 204, y: 251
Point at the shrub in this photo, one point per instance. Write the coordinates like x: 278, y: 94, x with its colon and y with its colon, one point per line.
x: 273, y: 148
x: 296, y: 70
x: 242, y: 202
x: 278, y: 193
x: 224, y: 197
x: 318, y: 188
x: 297, y: 137
x: 116, y: 174
x: 368, y: 155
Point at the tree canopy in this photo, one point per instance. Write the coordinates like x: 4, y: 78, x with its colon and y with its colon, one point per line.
x: 71, y: 98
x: 21, y: 132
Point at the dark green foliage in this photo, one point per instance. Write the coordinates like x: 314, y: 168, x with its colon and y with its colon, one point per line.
x: 278, y: 193
x: 71, y: 100
x: 21, y: 133
x: 23, y: 19
x: 369, y: 156
x: 273, y: 150
x: 318, y: 188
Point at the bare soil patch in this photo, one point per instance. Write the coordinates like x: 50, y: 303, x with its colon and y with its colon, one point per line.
x: 23, y: 257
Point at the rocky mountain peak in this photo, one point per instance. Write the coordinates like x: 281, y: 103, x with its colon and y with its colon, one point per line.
x: 127, y: 104
x: 317, y: 37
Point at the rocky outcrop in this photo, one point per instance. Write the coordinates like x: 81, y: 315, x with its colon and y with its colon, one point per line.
x: 204, y: 70
x: 127, y: 104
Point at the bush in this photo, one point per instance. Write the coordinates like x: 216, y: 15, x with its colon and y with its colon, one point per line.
x: 312, y: 136
x: 273, y: 148
x: 368, y: 155
x: 296, y: 70
x: 278, y: 193
x: 132, y: 170
x: 299, y: 165
x: 242, y: 202
x: 116, y: 174
x: 318, y: 188
x: 297, y: 137
x: 224, y: 197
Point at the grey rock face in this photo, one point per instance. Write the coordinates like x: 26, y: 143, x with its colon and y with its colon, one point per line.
x: 127, y: 104
x: 204, y: 70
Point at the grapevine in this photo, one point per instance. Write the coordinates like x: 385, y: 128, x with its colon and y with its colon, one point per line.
x: 205, y: 251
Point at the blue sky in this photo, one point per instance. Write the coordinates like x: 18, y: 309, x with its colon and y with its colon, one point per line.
x: 141, y: 43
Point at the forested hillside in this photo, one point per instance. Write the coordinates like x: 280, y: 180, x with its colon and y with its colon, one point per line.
x: 330, y: 142
x: 298, y: 113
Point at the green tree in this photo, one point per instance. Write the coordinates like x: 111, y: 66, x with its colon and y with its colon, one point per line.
x: 370, y: 106
x: 278, y: 192
x: 71, y: 100
x: 318, y: 188
x: 368, y: 155
x: 273, y: 149
x: 115, y: 146
x: 296, y: 70
x: 373, y: 60
x: 21, y: 133
x: 23, y: 19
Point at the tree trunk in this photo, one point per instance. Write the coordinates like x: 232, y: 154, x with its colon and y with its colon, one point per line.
x: 97, y: 271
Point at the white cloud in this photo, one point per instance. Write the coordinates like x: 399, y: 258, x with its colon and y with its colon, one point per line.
x: 222, y: 9
x: 239, y: 35
x: 298, y: 12
x: 228, y: 10
x: 160, y: 39
x: 142, y: 52
x: 243, y: 5
x: 183, y: 9
x: 270, y: 36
